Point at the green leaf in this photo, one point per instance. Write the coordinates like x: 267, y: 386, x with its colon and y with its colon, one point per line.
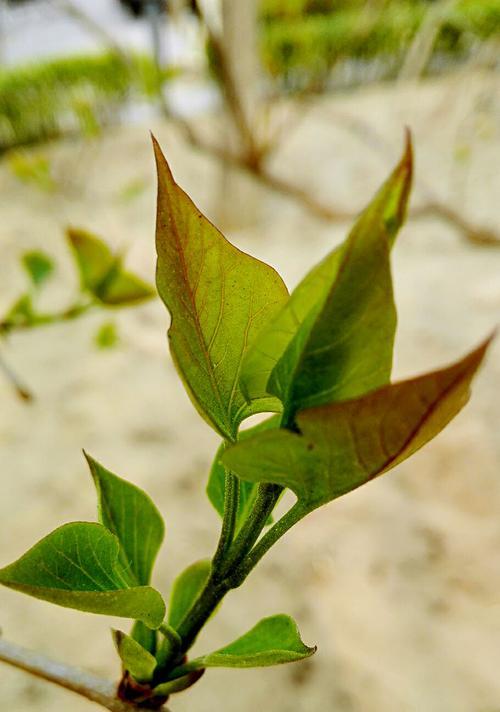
x: 144, y: 636
x: 131, y: 515
x: 38, y: 265
x: 138, y: 661
x: 186, y: 588
x: 93, y: 258
x: 334, y: 337
x: 343, y: 445
x: 219, y: 299
x: 126, y: 288
x: 78, y: 566
x: 102, y: 273
x: 247, y: 490
x: 107, y: 336
x: 179, y: 684
x: 272, y: 641
x: 21, y: 313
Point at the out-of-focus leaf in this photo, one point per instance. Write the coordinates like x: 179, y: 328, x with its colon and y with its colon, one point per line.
x: 186, y: 588
x: 93, y: 258
x: 333, y: 339
x: 102, y: 273
x: 273, y: 641
x: 343, y: 445
x: 219, y: 299
x: 138, y: 661
x: 132, y: 516
x: 107, y: 336
x: 38, y: 265
x: 78, y: 566
x: 126, y: 288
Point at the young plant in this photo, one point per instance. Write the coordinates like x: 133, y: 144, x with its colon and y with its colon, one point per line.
x: 319, y: 359
x: 104, y: 283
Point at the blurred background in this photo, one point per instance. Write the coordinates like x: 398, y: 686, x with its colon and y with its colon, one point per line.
x: 280, y: 118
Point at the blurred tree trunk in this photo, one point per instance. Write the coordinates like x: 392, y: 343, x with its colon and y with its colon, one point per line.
x: 237, y: 202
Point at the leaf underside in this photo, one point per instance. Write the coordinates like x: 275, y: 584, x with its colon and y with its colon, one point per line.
x: 343, y: 445
x: 78, y: 566
x: 138, y: 661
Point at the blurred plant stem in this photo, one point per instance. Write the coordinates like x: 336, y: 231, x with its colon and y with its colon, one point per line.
x: 95, y: 689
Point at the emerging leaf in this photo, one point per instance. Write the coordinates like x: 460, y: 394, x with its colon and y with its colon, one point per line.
x: 143, y: 635
x: 247, y: 490
x: 185, y: 590
x: 343, y: 445
x: 138, y: 661
x: 38, y: 265
x: 131, y: 515
x: 334, y: 337
x: 179, y: 684
x: 107, y: 336
x: 78, y: 566
x: 273, y: 641
x: 219, y: 299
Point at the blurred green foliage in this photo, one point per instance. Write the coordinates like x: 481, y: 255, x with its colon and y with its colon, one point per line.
x: 301, y: 40
x: 80, y: 93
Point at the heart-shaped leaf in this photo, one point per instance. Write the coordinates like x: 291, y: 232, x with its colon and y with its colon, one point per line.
x: 219, y: 299
x: 334, y: 337
x: 343, y: 445
x: 247, y: 490
x: 131, y: 515
x: 78, y: 566
x: 138, y: 661
x: 186, y: 588
x: 273, y: 641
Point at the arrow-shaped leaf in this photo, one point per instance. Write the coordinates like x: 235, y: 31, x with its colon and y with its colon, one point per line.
x: 343, y: 445
x: 273, y: 641
x: 334, y: 337
x: 131, y: 515
x: 78, y: 566
x: 219, y: 299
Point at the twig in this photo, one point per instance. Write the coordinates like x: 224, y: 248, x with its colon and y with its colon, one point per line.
x: 96, y: 689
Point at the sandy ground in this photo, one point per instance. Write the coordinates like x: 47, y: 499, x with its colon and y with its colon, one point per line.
x: 397, y: 583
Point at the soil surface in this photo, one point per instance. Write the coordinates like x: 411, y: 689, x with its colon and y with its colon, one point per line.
x: 399, y: 582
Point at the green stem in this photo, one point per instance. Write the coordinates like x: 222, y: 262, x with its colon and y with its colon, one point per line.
x: 231, y: 501
x: 73, y: 312
x: 170, y: 646
x: 287, y: 521
x: 264, y: 504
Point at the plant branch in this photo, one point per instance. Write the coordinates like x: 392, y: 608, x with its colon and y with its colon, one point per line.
x: 476, y: 234
x: 287, y: 521
x: 93, y: 688
x: 231, y: 501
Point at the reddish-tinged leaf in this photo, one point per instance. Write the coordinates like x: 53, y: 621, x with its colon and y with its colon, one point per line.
x: 343, y: 445
x: 334, y: 337
x: 219, y: 299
